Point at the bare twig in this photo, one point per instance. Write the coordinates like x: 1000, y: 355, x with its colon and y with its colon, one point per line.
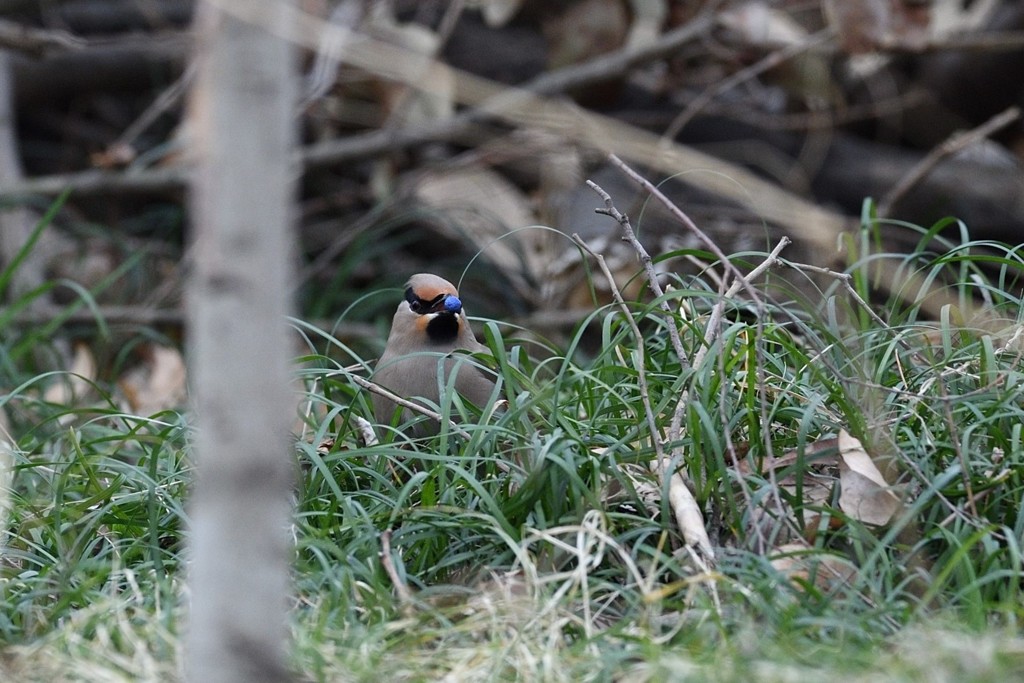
x: 954, y: 144
x: 688, y: 516
x: 36, y: 41
x: 825, y: 118
x: 550, y: 83
x: 718, y: 310
x: 405, y: 598
x: 645, y: 261
x: 645, y: 398
x: 167, y: 99
x: 376, y: 142
x: 686, y: 511
x: 405, y: 403
x: 711, y: 332
x: 741, y: 281
x: 770, y: 61
x: 95, y: 182
x: 845, y: 279
x: 526, y: 106
x: 652, y: 190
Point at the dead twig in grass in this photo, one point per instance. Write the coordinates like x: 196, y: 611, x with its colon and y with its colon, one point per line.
x: 681, y: 216
x: 955, y: 143
x: 405, y: 598
x: 405, y: 403
x: 645, y: 261
x: 688, y: 516
x: 845, y: 279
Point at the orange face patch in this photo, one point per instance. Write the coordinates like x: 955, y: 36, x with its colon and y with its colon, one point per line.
x: 421, y: 323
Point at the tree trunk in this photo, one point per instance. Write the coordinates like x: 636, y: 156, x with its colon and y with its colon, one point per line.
x: 239, y: 294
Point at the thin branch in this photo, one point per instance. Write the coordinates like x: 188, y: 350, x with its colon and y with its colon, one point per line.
x: 718, y: 310
x: 404, y: 594
x: 646, y: 262
x: 682, y: 501
x: 845, y: 279
x: 373, y: 143
x: 550, y: 83
x: 96, y: 182
x: 955, y: 143
x: 711, y: 332
x: 821, y: 119
x: 741, y: 281
x: 170, y: 97
x: 680, y: 215
x: 532, y: 108
x: 36, y: 42
x: 405, y: 403
x: 688, y: 516
x: 770, y: 61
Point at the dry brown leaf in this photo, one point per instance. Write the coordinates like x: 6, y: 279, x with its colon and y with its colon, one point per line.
x: 497, y: 13
x: 799, y: 562
x: 586, y: 29
x: 688, y: 515
x: 864, y: 494
x: 78, y: 380
x: 756, y: 23
x: 648, y: 18
x: 158, y: 384
x: 864, y: 25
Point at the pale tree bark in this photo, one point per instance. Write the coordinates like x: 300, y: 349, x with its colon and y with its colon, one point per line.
x: 243, y: 123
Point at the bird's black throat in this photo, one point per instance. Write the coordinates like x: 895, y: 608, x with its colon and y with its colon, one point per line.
x: 443, y: 329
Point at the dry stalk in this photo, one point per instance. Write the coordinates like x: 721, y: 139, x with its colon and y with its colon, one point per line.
x: 955, y: 143
x: 405, y: 600
x: 688, y: 515
x: 645, y: 261
x: 405, y: 403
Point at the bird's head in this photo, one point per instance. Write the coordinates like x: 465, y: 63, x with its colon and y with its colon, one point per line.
x: 432, y: 311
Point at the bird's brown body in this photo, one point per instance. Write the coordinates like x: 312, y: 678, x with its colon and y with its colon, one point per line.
x: 428, y: 327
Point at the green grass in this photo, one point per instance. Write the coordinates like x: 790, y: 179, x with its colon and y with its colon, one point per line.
x: 540, y: 546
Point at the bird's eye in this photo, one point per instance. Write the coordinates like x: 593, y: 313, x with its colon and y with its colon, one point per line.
x: 415, y: 303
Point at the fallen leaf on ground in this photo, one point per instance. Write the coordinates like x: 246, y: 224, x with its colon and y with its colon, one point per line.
x: 76, y: 382
x: 864, y: 494
x: 158, y: 384
x: 800, y: 562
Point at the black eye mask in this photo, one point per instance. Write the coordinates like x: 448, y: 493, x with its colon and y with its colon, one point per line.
x: 439, y: 304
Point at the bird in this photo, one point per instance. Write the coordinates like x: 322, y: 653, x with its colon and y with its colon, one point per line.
x: 429, y: 326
